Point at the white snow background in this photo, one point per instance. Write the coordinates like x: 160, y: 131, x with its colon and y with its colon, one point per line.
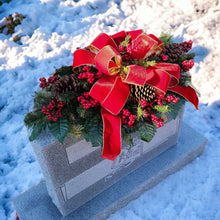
x: 50, y: 34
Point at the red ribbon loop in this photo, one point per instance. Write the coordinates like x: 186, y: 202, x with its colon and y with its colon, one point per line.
x: 83, y: 57
x: 104, y: 60
x: 158, y: 78
x: 145, y: 46
x: 111, y: 92
x: 102, y: 40
x: 136, y: 75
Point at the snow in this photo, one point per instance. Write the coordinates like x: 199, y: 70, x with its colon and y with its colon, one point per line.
x: 50, y: 34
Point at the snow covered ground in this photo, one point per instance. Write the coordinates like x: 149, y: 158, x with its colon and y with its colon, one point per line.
x: 51, y: 32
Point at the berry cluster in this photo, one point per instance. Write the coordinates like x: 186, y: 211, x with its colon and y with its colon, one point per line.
x: 148, y: 107
x: 127, y: 118
x: 187, y: 65
x: 159, y: 100
x: 45, y: 83
x: 158, y: 121
x: 131, y: 47
x: 87, y: 101
x: 87, y: 74
x: 53, y: 110
x: 186, y: 45
x: 163, y: 57
x: 127, y: 51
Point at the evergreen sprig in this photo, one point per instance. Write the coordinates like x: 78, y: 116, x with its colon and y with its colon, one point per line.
x: 176, y: 107
x: 126, y: 41
x: 166, y: 38
x: 147, y: 132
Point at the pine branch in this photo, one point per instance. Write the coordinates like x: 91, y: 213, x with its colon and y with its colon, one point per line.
x: 94, y: 135
x: 42, y: 98
x: 147, y: 132
x: 76, y: 130
x: 187, y: 56
x: 64, y: 70
x: 175, y: 107
x: 34, y: 117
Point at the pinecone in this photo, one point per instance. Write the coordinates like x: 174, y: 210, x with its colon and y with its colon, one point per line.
x: 138, y: 93
x: 173, y: 51
x: 68, y: 83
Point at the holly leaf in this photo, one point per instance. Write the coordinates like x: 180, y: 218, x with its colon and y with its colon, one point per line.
x: 37, y: 129
x: 59, y: 128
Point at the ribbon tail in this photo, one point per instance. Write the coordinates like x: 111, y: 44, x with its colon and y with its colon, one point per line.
x: 188, y: 93
x: 111, y: 135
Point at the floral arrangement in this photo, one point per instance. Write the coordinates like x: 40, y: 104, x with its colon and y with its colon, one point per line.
x: 117, y: 85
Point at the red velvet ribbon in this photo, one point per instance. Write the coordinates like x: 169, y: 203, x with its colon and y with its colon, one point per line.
x: 112, y: 90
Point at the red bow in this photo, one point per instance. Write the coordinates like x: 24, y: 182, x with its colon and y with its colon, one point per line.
x: 112, y: 90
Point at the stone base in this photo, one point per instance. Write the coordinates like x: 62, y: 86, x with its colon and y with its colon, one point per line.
x: 75, y: 173
x: 36, y: 204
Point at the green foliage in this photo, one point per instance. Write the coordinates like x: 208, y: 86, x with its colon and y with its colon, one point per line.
x: 175, y: 107
x: 140, y: 112
x: 59, y: 128
x: 184, y: 79
x: 37, y: 128
x: 37, y: 121
x: 144, y: 62
x: 147, y: 132
x: 166, y: 38
x: 127, y: 137
x: 64, y: 70
x: 94, y: 135
x: 42, y: 98
x: 126, y: 41
x: 76, y: 130
x: 67, y: 97
x: 161, y: 109
x: 164, y: 117
x: 33, y: 118
x: 187, y: 56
